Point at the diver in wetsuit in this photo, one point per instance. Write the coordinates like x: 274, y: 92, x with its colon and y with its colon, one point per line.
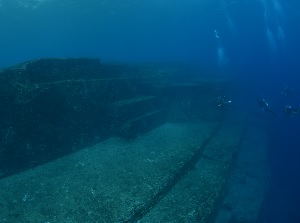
x: 291, y: 111
x: 224, y: 102
x: 265, y: 105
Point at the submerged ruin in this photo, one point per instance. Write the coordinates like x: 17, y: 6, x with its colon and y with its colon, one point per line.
x: 85, y: 141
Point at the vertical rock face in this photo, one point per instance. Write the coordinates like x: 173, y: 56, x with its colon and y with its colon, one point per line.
x: 52, y: 107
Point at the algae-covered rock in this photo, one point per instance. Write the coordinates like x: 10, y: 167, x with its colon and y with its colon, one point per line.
x: 53, y: 107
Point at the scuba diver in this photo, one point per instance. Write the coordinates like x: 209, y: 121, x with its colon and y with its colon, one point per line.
x: 265, y: 106
x: 291, y: 111
x: 223, y: 102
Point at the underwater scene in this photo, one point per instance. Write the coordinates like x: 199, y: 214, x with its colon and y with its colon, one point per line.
x: 149, y: 111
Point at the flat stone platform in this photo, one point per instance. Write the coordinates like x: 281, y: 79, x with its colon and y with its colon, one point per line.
x: 196, y: 197
x: 113, y: 181
x: 126, y: 181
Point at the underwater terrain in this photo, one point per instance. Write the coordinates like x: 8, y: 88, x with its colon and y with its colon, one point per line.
x: 149, y: 111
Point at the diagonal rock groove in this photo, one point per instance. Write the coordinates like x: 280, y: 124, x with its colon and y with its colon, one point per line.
x: 212, y: 216
x: 140, y: 211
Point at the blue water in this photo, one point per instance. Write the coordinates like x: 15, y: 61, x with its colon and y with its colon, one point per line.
x: 257, y: 41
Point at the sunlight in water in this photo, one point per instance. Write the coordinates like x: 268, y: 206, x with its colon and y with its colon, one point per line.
x: 221, y: 56
x: 222, y: 59
x: 271, y: 41
x: 281, y: 38
x: 278, y: 8
x: 231, y: 25
x: 273, y: 16
x: 224, y: 8
x: 280, y: 35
